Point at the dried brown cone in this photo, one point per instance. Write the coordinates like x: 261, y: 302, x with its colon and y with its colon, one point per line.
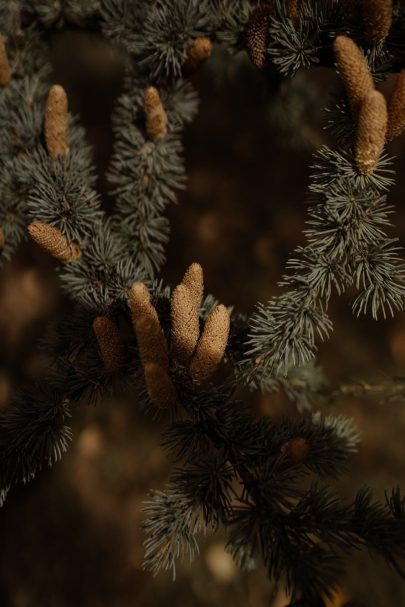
x: 293, y: 10
x: 56, y: 122
x: 257, y: 35
x: 185, y: 324
x: 159, y: 386
x: 211, y: 345
x: 54, y: 242
x: 156, y: 117
x: 110, y: 344
x: 297, y: 450
x: 193, y: 279
x: 371, y: 132
x: 149, y: 333
x: 354, y: 70
x: 377, y: 16
x: 198, y: 52
x: 396, y: 108
x: 5, y: 71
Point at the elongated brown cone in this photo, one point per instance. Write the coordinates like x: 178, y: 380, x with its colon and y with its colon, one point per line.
x: 149, y: 333
x: 293, y: 10
x: 198, y: 52
x: 54, y: 242
x: 396, y: 108
x: 185, y: 324
x: 156, y: 117
x: 354, y: 70
x: 352, y: 10
x: 5, y: 71
x: 160, y: 387
x: 371, y: 132
x: 257, y: 35
x: 2, y: 239
x: 212, y: 344
x: 56, y: 122
x: 193, y: 279
x: 377, y: 16
x: 297, y: 450
x: 110, y: 344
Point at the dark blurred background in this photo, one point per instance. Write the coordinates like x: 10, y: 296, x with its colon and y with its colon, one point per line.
x: 73, y: 536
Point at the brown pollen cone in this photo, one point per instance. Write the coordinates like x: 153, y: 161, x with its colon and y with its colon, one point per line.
x: 156, y: 117
x: 56, y: 122
x: 2, y: 239
x: 110, y: 344
x: 377, y: 16
x: 396, y: 108
x: 5, y: 71
x: 354, y: 70
x: 371, y: 132
x: 211, y: 345
x: 149, y: 333
x: 193, y: 279
x: 160, y: 387
x: 297, y: 450
x: 257, y: 35
x: 54, y: 242
x: 185, y: 324
x: 198, y: 52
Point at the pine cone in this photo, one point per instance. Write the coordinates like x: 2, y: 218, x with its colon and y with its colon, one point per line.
x: 193, y: 279
x: 56, y: 122
x: 198, y: 52
x: 257, y: 35
x: 149, y: 333
x: 160, y: 387
x: 54, y: 242
x: 371, y: 132
x: 185, y: 324
x: 156, y: 117
x: 211, y: 345
x: 396, y: 108
x: 377, y: 16
x: 354, y: 70
x: 5, y: 71
x: 109, y: 343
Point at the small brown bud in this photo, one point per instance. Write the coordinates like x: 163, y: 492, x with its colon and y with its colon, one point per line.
x: 54, y: 242
x: 156, y: 117
x: 160, y: 387
x: 151, y: 339
x: 185, y: 324
x: 257, y: 35
x: 293, y: 10
x: 109, y: 343
x: 5, y: 71
x: 396, y: 108
x: 211, y: 345
x: 56, y: 122
x: 198, y: 52
x: 377, y: 16
x: 297, y: 450
x: 354, y: 70
x: 193, y: 279
x: 371, y: 132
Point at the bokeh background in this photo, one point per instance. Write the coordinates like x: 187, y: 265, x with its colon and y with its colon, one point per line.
x: 73, y: 536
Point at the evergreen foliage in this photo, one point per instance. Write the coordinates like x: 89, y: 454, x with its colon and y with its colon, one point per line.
x: 265, y: 482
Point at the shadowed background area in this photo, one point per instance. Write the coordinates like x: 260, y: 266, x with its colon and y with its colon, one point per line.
x: 73, y: 536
